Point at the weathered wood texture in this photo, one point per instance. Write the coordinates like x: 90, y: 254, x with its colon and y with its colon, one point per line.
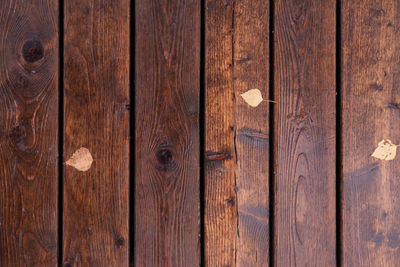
x: 304, y: 147
x: 167, y: 94
x: 96, y: 116
x: 28, y: 134
x: 370, y: 104
x: 237, y: 135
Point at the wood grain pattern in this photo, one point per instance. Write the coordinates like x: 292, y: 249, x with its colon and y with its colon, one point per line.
x: 28, y: 134
x: 167, y: 200
x: 96, y: 116
x: 370, y: 81
x: 304, y: 86
x: 237, y: 135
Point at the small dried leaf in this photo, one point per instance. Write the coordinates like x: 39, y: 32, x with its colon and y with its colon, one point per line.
x: 81, y: 160
x: 386, y: 150
x: 252, y: 97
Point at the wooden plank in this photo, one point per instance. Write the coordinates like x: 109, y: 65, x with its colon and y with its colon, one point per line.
x: 167, y: 201
x: 237, y: 135
x: 370, y: 104
x: 304, y: 86
x: 96, y: 117
x: 28, y: 134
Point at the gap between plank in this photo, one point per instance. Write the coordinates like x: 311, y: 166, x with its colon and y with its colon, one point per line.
x: 202, y: 128
x: 60, y: 133
x: 271, y: 136
x: 132, y: 123
x: 339, y: 169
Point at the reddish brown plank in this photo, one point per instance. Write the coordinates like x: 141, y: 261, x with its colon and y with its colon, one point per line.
x: 237, y: 135
x: 28, y: 134
x: 370, y: 104
x: 305, y: 160
x: 96, y: 116
x: 167, y: 164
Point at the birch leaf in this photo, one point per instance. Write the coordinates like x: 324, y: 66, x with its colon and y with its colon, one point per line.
x: 252, y: 97
x: 81, y: 160
x: 386, y: 150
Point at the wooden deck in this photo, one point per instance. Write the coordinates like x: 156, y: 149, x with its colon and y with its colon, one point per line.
x: 199, y: 133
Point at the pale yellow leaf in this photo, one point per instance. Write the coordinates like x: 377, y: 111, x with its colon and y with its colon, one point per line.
x: 81, y: 160
x: 252, y: 97
x: 386, y: 150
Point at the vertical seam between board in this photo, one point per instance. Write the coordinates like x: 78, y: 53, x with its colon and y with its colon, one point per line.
x: 271, y: 135
x: 60, y: 245
x: 132, y: 134
x: 237, y: 239
x: 338, y: 136
x: 202, y: 128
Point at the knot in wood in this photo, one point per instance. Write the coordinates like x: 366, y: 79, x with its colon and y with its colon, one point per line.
x: 164, y: 156
x: 68, y: 262
x: 18, y: 134
x: 119, y: 241
x: 32, y: 51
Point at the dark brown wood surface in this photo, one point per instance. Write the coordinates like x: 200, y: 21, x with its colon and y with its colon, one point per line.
x: 237, y: 135
x: 304, y: 147
x: 167, y: 96
x: 370, y: 81
x: 96, y: 116
x: 234, y: 46
x: 28, y: 134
